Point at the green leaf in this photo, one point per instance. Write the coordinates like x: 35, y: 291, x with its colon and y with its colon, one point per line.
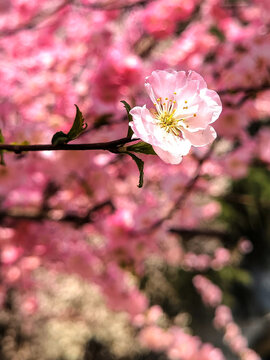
x: 24, y: 142
x: 60, y: 138
x: 128, y: 108
x: 140, y: 165
x: 130, y: 132
x: 2, y: 141
x: 214, y: 30
x: 78, y: 125
x: 77, y: 128
x: 142, y: 147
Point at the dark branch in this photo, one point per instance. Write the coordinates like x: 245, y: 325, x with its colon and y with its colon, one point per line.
x: 189, y: 233
x: 110, y: 146
x: 182, y: 198
x: 98, y: 6
x: 247, y: 93
x: 246, y: 90
x: 68, y: 217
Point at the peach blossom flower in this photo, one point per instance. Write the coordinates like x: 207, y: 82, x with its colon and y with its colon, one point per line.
x: 184, y: 108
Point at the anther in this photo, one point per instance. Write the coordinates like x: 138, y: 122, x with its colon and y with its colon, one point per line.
x: 195, y: 115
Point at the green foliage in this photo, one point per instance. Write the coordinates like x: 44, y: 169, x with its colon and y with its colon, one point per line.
x: 214, y: 30
x: 128, y: 108
x: 246, y: 211
x: 25, y: 142
x: 140, y: 165
x: 2, y: 140
x: 142, y: 147
x: 76, y: 130
x: 230, y: 274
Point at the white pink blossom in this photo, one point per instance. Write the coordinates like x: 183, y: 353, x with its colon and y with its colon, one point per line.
x: 184, y: 110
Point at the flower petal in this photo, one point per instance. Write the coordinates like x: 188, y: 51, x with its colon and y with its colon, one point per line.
x: 142, y: 124
x: 192, y: 75
x: 207, y: 109
x: 163, y: 83
x: 167, y: 156
x: 201, y: 137
x: 213, y: 102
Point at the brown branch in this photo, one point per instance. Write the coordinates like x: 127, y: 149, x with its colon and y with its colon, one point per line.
x: 68, y: 217
x: 248, y: 93
x: 98, y: 6
x: 200, y: 232
x: 181, y: 199
x: 240, y: 89
x: 110, y: 146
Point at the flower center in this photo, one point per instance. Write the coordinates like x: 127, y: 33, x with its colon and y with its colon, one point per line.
x: 168, y: 122
x: 165, y: 114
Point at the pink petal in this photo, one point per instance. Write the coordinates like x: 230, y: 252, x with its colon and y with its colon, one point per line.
x: 163, y: 83
x: 167, y: 156
x: 142, y: 124
x: 213, y: 102
x: 207, y: 110
x: 187, y: 92
x: 172, y: 148
x: 201, y: 137
x: 192, y: 75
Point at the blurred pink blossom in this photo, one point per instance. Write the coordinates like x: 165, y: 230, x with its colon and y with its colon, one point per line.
x: 223, y: 316
x: 210, y: 293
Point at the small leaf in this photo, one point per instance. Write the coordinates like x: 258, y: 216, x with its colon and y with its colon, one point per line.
x: 214, y: 30
x: 60, y: 138
x: 142, y: 147
x: 78, y: 125
x: 24, y: 142
x: 140, y: 165
x: 2, y: 141
x: 128, y: 108
x: 77, y: 128
x: 130, y: 132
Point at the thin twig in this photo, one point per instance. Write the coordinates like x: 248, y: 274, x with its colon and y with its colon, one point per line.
x: 110, y: 146
x: 181, y: 199
x: 68, y: 217
x: 248, y: 93
x: 200, y: 232
x: 241, y: 89
x: 106, y: 7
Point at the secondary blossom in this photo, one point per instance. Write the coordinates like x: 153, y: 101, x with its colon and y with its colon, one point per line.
x: 184, y: 108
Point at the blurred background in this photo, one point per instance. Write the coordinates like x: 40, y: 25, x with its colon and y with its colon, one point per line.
x: 91, y: 266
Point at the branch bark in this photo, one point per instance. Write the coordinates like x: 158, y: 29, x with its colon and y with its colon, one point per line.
x: 110, y: 146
